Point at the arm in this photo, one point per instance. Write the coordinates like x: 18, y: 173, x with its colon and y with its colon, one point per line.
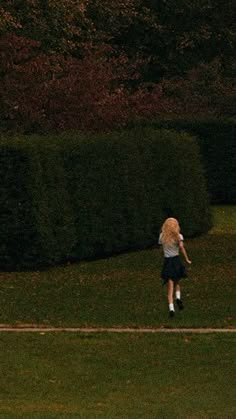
x: 182, y: 248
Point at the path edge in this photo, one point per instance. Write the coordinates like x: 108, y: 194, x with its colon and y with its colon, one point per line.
x: 46, y: 329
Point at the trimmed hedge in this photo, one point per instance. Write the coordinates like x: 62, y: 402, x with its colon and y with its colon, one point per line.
x: 17, y: 226
x: 216, y: 139
x: 75, y: 197
x: 36, y: 226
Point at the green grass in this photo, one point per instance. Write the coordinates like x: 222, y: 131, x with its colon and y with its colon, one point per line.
x: 126, y: 290
x: 122, y: 376
x: 117, y: 376
x: 224, y: 219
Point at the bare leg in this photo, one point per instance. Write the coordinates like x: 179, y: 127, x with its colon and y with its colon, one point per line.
x: 171, y: 297
x: 170, y: 291
x: 177, y: 287
x: 178, y: 297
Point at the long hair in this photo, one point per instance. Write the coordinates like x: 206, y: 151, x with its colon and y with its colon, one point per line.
x: 170, y: 231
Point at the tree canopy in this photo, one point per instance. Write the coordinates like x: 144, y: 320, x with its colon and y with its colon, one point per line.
x: 172, y: 35
x: 163, y: 47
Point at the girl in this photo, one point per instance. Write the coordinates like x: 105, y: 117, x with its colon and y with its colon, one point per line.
x: 173, y: 269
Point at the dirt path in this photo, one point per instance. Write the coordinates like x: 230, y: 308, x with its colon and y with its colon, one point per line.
x: 44, y: 329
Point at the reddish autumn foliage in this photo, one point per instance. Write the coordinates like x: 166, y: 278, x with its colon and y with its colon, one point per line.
x: 42, y: 92
x: 203, y: 92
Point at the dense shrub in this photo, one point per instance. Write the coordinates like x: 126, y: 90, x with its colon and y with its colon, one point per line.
x: 17, y: 225
x: 76, y: 197
x: 36, y: 227
x: 216, y: 139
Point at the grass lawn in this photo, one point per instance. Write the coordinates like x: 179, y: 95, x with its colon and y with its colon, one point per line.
x: 117, y: 376
x: 126, y: 376
x: 126, y: 290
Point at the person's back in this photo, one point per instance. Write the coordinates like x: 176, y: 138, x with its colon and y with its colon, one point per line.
x: 171, y: 249
x: 173, y: 269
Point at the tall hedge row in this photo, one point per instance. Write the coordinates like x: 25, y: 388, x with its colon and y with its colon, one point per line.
x: 217, y: 142
x: 75, y: 197
x: 36, y: 225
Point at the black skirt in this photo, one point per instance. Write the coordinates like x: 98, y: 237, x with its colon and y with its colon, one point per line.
x: 173, y: 269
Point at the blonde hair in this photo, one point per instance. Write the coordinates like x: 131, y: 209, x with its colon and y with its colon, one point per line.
x: 170, y: 231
